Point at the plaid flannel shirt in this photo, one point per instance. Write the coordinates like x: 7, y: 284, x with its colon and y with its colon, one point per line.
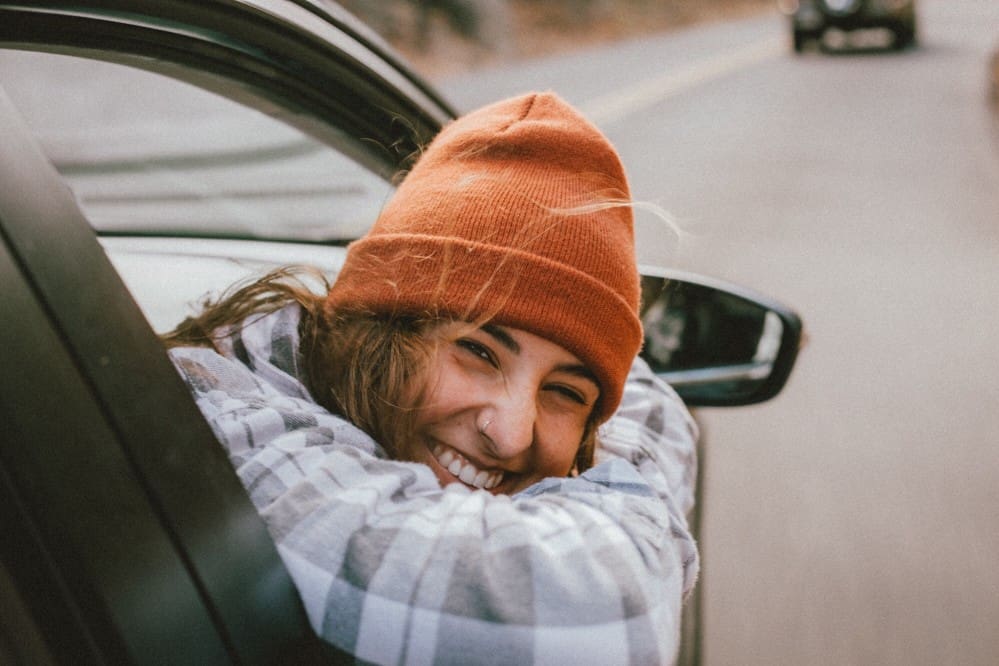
x: 394, y: 569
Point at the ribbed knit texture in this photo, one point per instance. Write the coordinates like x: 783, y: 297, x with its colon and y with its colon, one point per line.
x: 502, y: 218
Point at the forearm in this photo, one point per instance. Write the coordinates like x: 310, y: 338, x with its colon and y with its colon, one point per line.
x: 410, y: 569
x: 653, y: 431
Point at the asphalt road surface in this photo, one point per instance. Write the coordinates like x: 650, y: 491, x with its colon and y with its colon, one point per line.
x: 854, y: 519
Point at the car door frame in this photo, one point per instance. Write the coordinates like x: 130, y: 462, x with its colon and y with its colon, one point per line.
x: 313, y: 64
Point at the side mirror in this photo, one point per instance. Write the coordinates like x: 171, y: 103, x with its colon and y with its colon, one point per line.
x: 717, y: 344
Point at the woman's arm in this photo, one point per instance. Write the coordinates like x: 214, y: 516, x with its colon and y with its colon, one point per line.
x: 653, y: 421
x: 394, y: 569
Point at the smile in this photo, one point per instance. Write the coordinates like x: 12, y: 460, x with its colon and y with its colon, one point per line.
x: 467, y: 473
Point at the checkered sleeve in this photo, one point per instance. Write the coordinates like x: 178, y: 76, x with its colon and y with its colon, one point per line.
x: 394, y: 569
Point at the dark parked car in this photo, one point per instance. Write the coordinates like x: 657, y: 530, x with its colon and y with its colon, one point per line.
x: 811, y: 18
x: 156, y: 151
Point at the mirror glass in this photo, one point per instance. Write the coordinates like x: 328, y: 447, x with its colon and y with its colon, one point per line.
x: 716, y: 344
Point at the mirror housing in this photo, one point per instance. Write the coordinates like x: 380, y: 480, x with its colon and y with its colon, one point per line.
x: 716, y: 344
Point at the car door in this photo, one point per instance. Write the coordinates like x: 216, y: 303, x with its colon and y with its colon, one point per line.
x: 126, y: 536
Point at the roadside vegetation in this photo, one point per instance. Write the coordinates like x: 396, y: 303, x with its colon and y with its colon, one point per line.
x: 444, y: 36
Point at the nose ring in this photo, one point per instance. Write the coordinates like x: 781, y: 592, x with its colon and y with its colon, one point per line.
x: 482, y: 429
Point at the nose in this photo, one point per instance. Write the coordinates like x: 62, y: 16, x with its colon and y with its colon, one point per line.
x: 511, y: 419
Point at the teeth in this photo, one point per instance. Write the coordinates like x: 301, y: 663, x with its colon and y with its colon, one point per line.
x: 468, y: 473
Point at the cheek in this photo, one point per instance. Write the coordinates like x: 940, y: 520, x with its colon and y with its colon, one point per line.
x: 445, y: 389
x: 558, y: 443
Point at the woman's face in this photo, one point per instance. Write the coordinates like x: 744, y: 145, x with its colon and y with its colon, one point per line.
x: 503, y: 408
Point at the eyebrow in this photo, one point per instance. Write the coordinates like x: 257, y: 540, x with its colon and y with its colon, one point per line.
x: 504, y: 338
x: 580, y: 371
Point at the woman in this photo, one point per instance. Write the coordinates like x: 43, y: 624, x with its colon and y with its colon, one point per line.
x: 484, y: 329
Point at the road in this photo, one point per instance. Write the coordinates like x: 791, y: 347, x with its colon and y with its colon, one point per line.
x: 854, y: 519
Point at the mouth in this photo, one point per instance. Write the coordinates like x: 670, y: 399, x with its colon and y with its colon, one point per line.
x: 464, y: 470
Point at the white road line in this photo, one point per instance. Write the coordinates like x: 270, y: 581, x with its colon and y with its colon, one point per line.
x: 614, y: 106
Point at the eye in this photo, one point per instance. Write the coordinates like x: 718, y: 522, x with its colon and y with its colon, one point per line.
x: 569, y: 393
x: 477, y: 349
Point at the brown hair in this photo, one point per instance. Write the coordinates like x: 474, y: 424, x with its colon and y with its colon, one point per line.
x: 359, y: 365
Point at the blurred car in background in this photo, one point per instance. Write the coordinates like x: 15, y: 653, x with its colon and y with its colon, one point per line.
x: 811, y: 18
x: 157, y: 152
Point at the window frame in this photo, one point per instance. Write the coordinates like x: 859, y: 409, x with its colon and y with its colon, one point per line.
x: 291, y: 59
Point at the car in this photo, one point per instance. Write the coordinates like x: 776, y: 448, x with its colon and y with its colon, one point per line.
x: 810, y: 19
x: 155, y: 153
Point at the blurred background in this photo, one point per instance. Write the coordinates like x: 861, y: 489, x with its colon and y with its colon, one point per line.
x: 445, y: 36
x: 855, y: 518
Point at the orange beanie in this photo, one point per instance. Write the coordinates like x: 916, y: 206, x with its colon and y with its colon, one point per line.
x: 505, y: 217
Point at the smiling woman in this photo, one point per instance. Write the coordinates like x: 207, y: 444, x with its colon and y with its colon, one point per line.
x: 515, y: 220
x: 485, y: 329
